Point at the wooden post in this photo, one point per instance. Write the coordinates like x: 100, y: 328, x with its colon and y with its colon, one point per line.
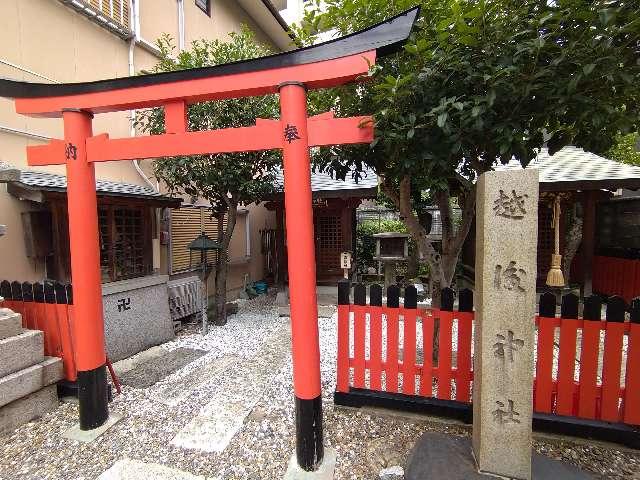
x: 85, y: 272
x: 588, y: 240
x: 302, y: 275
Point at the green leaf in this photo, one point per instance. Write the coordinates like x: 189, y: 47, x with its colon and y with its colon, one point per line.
x: 587, y: 69
x: 442, y: 119
x: 491, y: 97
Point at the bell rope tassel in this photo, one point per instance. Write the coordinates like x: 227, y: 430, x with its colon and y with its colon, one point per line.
x: 555, y: 277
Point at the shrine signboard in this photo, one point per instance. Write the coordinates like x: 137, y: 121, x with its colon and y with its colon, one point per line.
x: 507, y: 228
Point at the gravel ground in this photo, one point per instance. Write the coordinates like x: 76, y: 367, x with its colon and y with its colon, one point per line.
x: 248, y: 360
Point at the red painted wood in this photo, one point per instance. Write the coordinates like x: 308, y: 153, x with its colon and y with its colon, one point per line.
x: 359, y: 338
x: 566, y: 366
x: 611, y: 368
x: 444, y: 355
x: 324, y: 74
x: 632, y: 380
x: 426, y: 376
x: 52, y: 153
x: 375, y: 347
x: 47, y: 325
x: 175, y: 117
x: 543, y: 390
x: 588, y: 379
x: 343, y: 349
x: 391, y: 370
x: 627, y: 279
x: 463, y: 371
x: 409, y: 351
x: 265, y: 135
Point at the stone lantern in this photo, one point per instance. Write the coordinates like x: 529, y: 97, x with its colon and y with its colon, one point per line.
x: 391, y: 248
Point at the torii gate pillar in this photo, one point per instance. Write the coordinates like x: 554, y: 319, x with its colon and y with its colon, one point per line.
x: 302, y: 275
x: 85, y: 271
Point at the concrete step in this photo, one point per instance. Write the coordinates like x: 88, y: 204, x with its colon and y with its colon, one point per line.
x: 28, y: 380
x: 27, y: 408
x: 21, y: 351
x: 10, y: 323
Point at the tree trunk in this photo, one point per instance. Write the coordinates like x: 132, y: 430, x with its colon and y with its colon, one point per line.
x: 221, y: 264
x: 573, y: 240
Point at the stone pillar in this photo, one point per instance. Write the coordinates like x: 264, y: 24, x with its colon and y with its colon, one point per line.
x: 506, y: 242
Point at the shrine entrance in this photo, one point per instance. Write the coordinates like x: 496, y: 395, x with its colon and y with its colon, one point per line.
x: 288, y: 74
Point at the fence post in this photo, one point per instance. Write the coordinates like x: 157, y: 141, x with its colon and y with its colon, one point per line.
x: 612, y: 360
x: 543, y: 385
x: 444, y: 344
x: 465, y: 328
x: 409, y: 344
x: 588, y: 379
x: 631, y: 402
x: 27, y: 298
x: 392, y: 312
x: 342, y: 381
x: 567, y: 357
x: 375, y: 336
x: 359, y: 334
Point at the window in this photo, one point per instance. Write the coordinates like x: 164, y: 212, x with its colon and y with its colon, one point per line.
x: 204, y: 5
x: 186, y: 224
x: 125, y: 242
x: 114, y: 10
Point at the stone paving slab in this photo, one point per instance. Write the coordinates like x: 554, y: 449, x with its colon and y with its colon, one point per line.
x: 155, y: 369
x: 136, y: 470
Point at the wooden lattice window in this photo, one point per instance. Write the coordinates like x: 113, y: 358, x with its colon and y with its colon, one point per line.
x: 186, y: 224
x: 125, y: 242
x: 115, y: 10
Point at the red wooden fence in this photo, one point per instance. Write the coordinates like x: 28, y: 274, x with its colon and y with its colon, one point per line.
x: 390, y: 349
x: 616, y: 276
x: 47, y: 307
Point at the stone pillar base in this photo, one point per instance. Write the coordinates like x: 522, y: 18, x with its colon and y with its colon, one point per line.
x: 324, y: 472
x: 437, y: 456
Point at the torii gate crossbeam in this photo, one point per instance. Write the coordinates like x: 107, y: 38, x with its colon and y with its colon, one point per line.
x: 290, y: 74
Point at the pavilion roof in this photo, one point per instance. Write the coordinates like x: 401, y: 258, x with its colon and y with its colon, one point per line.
x: 572, y: 168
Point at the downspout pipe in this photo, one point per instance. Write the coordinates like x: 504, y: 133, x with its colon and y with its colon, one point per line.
x: 135, y: 8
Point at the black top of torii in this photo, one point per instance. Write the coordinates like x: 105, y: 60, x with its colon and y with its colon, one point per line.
x: 385, y: 37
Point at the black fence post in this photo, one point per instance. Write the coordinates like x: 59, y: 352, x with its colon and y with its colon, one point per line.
x: 569, y: 306
x: 547, y: 307
x: 465, y: 300
x: 616, y: 307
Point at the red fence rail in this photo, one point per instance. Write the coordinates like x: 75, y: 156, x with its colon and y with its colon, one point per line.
x: 389, y: 348
x: 48, y: 307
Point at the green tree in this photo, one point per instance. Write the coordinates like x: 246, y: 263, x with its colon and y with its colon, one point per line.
x: 225, y: 180
x: 480, y: 82
x: 626, y: 149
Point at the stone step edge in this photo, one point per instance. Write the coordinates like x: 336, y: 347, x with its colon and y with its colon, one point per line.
x: 10, y: 323
x: 31, y: 379
x: 21, y: 351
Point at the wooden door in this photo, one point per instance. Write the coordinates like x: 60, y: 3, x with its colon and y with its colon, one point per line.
x: 329, y: 243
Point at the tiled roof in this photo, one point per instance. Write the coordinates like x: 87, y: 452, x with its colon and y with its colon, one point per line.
x: 322, y: 182
x: 572, y: 167
x: 54, y: 182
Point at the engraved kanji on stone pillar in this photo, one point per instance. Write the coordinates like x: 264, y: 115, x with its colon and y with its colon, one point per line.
x: 506, y: 242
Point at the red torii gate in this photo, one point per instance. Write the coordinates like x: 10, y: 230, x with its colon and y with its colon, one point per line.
x: 290, y: 74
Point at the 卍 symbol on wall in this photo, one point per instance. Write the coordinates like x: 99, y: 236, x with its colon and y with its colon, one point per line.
x: 124, y: 304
